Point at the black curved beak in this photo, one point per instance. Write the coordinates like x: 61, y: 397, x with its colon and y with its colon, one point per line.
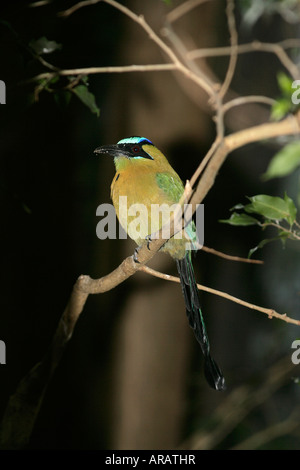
x: 112, y: 150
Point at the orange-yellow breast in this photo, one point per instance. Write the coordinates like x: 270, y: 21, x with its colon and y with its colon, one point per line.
x: 137, y: 195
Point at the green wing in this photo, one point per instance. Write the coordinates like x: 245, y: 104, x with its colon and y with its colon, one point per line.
x: 173, y: 188
x: 171, y: 185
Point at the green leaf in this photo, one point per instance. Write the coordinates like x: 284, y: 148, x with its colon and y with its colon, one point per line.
x: 284, y: 104
x: 260, y: 245
x: 291, y: 208
x: 44, y: 46
x: 281, y: 108
x: 285, y: 84
x: 270, y: 207
x: 87, y: 98
x: 284, y: 162
x: 240, y: 219
x: 283, y: 236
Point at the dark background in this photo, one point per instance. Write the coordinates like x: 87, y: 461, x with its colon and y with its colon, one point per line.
x: 131, y: 376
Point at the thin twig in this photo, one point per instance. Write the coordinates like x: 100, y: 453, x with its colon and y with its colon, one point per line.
x: 231, y: 257
x: 180, y: 48
x: 205, y: 161
x: 288, y: 126
x: 40, y: 3
x: 233, y: 47
x: 244, y: 48
x: 77, y: 6
x: 139, y: 19
x: 96, y: 70
x: 278, y: 49
x: 183, y: 9
x: 242, y: 100
x: 177, y: 64
x: 268, y: 311
x: 292, y: 234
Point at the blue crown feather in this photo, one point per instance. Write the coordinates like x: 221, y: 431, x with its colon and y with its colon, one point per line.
x: 134, y: 140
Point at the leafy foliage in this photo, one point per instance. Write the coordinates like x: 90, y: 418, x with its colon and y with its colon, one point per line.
x: 86, y: 97
x: 269, y: 211
x: 44, y: 46
x: 77, y: 86
x: 285, y: 161
x: 284, y: 104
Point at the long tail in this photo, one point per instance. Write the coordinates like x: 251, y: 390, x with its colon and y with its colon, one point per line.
x: 191, y: 296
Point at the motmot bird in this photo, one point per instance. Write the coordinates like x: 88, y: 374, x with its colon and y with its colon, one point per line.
x: 145, y: 177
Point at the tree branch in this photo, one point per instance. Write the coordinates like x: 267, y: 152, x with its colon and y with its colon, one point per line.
x: 183, y: 9
x: 268, y: 311
x: 200, y: 80
x: 288, y: 126
x: 230, y: 257
x: 233, y: 48
x: 109, y: 69
x: 278, y: 49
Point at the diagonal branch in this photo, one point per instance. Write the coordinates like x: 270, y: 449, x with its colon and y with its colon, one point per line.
x: 231, y: 257
x: 288, y: 126
x: 183, y: 9
x: 268, y: 311
x: 200, y: 80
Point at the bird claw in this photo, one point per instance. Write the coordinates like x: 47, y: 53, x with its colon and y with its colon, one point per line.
x: 148, y: 240
x: 135, y: 255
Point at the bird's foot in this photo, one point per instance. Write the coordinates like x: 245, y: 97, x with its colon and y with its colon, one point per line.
x: 135, y: 255
x: 148, y: 240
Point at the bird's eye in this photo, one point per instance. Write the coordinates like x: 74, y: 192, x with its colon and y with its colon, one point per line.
x: 136, y: 149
